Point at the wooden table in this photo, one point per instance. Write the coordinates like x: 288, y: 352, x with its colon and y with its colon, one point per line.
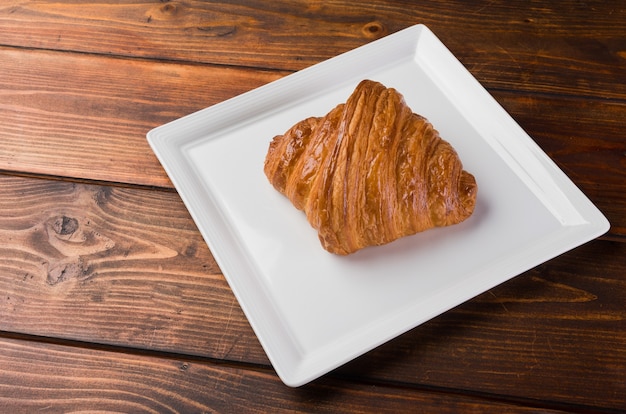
x: 111, y: 301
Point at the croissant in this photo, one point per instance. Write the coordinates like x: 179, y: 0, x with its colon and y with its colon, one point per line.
x: 370, y: 171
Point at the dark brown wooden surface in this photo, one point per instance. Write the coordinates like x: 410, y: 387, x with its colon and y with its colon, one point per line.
x: 110, y: 299
x: 47, y: 377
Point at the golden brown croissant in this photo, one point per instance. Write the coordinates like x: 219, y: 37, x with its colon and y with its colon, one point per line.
x: 370, y: 171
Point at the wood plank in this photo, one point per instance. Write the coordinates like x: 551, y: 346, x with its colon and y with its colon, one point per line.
x: 82, y: 253
x: 92, y: 125
x: 127, y: 267
x: 568, y: 47
x: 87, y: 117
x: 88, y: 380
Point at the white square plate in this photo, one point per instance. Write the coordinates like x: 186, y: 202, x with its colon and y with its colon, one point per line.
x: 313, y: 311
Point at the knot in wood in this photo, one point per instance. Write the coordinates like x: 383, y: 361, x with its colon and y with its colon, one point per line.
x: 66, y: 269
x: 374, y: 30
x: 168, y: 8
x: 65, y: 225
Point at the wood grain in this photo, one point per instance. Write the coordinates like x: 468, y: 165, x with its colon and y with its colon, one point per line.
x: 93, y: 124
x: 92, y: 380
x: 128, y: 268
x: 568, y: 47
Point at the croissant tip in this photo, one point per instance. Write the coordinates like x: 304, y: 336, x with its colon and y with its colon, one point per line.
x: 468, y: 190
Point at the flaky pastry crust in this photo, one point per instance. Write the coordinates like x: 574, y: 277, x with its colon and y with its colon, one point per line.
x: 370, y: 171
